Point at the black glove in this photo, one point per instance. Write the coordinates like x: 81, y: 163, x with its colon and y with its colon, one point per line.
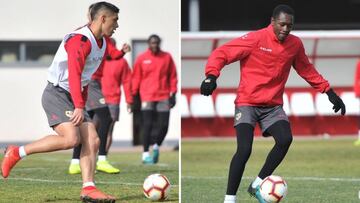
x: 172, y: 100
x: 136, y: 105
x: 336, y: 100
x: 208, y: 85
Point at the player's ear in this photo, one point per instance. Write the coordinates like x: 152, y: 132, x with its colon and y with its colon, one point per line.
x: 272, y: 21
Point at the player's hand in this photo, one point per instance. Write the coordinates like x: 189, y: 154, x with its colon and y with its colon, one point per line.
x: 208, y: 85
x: 136, y: 105
x: 130, y: 108
x: 77, y: 117
x: 336, y: 101
x: 172, y: 100
x: 126, y: 48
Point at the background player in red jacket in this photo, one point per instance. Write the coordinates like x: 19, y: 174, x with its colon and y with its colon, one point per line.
x: 116, y: 73
x: 99, y: 112
x: 154, y: 77
x: 266, y: 57
x: 78, y: 57
x: 357, y: 94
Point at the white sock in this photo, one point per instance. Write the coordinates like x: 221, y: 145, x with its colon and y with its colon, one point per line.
x: 155, y: 146
x: 230, y: 199
x: 22, y: 152
x: 87, y: 184
x: 256, y: 182
x: 145, y: 154
x: 75, y: 161
x: 102, y: 158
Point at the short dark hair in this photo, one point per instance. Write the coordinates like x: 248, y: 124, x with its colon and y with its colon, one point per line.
x: 96, y: 7
x: 282, y: 8
x: 154, y: 36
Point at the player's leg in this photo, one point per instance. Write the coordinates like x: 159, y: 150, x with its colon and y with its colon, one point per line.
x: 147, y: 112
x: 244, y: 135
x: 281, y: 132
x: 67, y: 138
x: 104, y: 117
x: 161, y: 126
x: 90, y: 146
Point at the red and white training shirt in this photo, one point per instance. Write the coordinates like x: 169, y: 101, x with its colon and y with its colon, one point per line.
x: 78, y: 57
x: 264, y: 66
x: 154, y: 76
x: 115, y: 74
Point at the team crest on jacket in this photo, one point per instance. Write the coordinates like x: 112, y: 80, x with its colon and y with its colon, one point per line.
x: 69, y: 113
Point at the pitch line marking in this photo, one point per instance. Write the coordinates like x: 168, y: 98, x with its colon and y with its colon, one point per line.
x: 70, y: 181
x: 287, y: 178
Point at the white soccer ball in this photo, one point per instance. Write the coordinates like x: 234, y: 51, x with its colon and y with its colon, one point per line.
x: 156, y: 187
x: 273, y: 189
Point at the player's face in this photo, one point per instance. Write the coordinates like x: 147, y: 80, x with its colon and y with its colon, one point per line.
x: 282, y: 25
x: 110, y: 23
x: 154, y: 45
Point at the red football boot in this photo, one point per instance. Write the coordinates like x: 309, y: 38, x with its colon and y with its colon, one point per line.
x: 11, y: 157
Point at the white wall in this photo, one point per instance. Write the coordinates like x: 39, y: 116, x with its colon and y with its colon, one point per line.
x: 22, y: 117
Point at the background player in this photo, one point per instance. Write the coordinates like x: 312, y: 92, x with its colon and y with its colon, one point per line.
x: 154, y: 78
x: 357, y: 94
x: 116, y: 73
x: 266, y: 57
x: 78, y: 57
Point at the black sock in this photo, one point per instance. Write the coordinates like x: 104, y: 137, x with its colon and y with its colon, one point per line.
x: 281, y: 132
x: 245, y: 136
x: 103, y: 117
x: 147, y: 118
x: 162, y: 126
x: 76, y: 152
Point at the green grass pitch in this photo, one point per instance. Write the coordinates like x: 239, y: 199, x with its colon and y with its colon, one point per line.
x: 44, y: 178
x: 317, y: 171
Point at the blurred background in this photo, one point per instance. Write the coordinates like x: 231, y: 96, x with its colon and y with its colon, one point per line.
x: 331, y: 36
x: 30, y: 35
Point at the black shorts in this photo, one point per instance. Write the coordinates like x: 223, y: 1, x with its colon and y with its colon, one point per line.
x: 114, y: 111
x: 58, y: 105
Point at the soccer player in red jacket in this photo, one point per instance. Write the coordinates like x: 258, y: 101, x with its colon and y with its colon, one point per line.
x: 266, y: 57
x: 154, y: 77
x: 78, y: 57
x: 357, y: 94
x: 116, y: 73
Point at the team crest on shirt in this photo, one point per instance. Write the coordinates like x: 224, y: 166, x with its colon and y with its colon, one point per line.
x: 102, y: 101
x: 238, y: 116
x: 148, y: 61
x: 69, y: 113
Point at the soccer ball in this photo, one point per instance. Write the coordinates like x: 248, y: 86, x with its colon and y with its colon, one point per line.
x: 273, y: 189
x: 156, y: 187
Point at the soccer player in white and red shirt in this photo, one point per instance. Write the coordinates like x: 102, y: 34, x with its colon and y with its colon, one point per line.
x: 266, y: 57
x: 78, y: 57
x: 154, y: 78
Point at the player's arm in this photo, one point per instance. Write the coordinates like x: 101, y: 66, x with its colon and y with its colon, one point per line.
x: 308, y: 72
x: 228, y: 53
x: 114, y: 53
x: 126, y: 83
x: 78, y: 48
x: 173, y: 83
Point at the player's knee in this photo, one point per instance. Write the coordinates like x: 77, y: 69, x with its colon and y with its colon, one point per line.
x: 96, y: 143
x: 72, y: 142
x: 244, y: 151
x: 285, y: 141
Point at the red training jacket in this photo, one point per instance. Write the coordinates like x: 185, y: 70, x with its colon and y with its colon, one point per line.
x: 115, y: 74
x: 264, y: 66
x: 154, y: 76
x: 357, y: 80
